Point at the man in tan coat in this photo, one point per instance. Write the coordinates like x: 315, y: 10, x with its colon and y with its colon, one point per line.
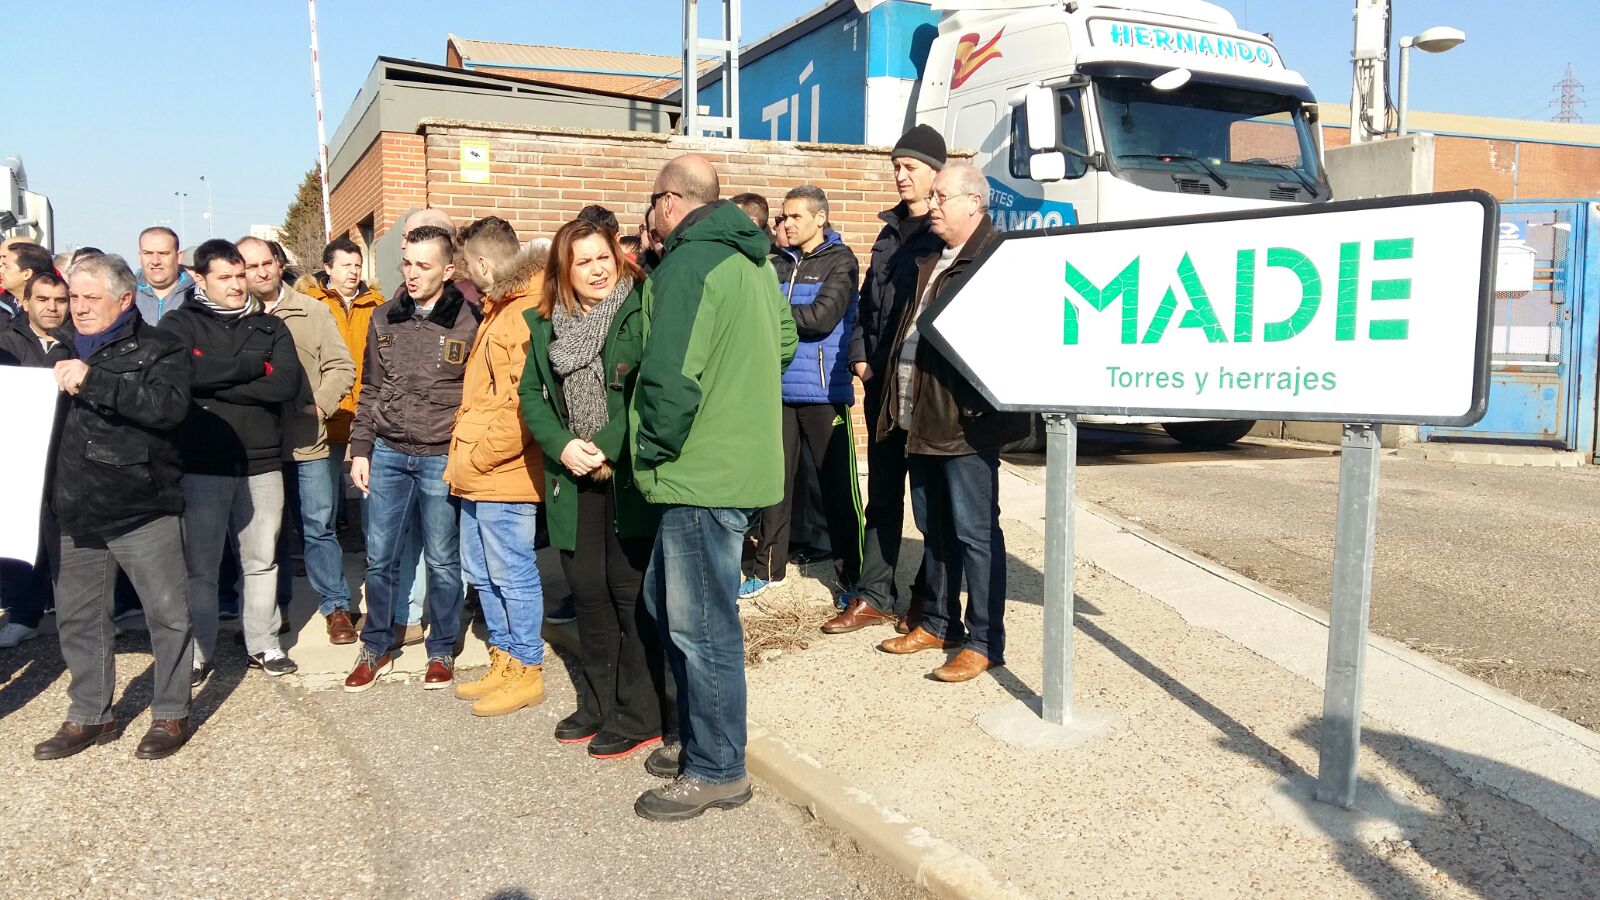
x: 495, y: 467
x: 330, y: 373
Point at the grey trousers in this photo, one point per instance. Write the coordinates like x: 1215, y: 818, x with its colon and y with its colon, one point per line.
x: 215, y: 509
x: 85, y: 574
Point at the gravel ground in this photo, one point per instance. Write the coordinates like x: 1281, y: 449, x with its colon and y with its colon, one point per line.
x: 395, y: 792
x: 259, y: 803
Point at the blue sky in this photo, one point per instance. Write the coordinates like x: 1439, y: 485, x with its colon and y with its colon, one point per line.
x: 114, y: 106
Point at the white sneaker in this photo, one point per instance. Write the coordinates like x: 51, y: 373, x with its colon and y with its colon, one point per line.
x: 15, y: 633
x: 130, y: 622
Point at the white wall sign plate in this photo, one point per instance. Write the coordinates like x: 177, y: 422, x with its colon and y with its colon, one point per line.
x: 1361, y: 311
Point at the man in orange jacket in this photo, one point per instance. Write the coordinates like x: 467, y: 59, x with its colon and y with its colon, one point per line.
x: 495, y: 468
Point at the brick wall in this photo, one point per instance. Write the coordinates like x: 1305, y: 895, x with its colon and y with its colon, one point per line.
x: 541, y: 178
x: 386, y: 181
x: 1508, y: 169
x: 1555, y: 171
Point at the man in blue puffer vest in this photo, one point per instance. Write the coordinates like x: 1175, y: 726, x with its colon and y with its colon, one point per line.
x: 818, y: 274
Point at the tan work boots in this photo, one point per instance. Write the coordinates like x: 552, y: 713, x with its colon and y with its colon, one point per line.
x: 520, y: 686
x: 491, y: 681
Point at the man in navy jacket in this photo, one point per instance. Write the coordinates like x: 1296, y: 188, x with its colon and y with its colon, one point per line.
x: 818, y: 273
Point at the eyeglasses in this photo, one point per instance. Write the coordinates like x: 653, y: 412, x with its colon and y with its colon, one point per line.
x: 656, y: 197
x: 935, y: 199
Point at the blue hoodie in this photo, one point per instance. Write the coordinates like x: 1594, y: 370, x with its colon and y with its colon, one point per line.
x: 151, y: 307
x: 821, y: 287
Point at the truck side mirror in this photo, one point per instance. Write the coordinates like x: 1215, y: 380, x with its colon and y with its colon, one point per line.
x: 1047, y: 166
x: 1043, y: 117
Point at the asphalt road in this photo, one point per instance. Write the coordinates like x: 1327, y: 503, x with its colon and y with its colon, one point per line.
x: 394, y: 792
x: 1487, y: 568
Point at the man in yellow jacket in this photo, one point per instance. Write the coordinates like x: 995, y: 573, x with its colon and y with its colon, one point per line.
x: 495, y: 467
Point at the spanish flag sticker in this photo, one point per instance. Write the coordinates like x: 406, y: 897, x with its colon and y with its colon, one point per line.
x: 970, y: 57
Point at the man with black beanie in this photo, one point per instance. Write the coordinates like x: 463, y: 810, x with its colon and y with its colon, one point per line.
x: 890, y: 284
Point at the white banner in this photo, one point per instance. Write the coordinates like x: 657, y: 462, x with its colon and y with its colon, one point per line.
x: 1367, y: 311
x: 28, y: 408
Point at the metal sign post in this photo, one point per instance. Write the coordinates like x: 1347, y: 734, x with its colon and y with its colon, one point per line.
x: 1060, y: 486
x: 1354, y: 537
x: 1370, y: 311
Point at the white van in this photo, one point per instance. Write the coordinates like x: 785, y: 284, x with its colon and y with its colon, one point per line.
x: 1085, y: 111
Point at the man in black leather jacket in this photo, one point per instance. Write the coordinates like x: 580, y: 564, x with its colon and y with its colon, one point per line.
x: 114, y: 491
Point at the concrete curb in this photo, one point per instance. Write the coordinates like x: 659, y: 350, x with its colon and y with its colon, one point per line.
x: 1494, y: 455
x: 931, y: 862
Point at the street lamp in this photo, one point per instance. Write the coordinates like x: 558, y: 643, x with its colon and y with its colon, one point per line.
x: 1437, y: 39
x: 211, y: 230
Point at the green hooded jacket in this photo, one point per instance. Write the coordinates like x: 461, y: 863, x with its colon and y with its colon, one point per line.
x: 705, y: 421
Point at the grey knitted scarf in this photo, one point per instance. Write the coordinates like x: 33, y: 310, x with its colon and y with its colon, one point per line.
x: 575, y: 358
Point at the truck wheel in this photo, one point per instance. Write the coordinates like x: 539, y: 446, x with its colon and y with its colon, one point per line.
x: 1208, y: 434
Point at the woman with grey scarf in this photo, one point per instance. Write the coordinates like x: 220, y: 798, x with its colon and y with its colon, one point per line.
x: 586, y: 340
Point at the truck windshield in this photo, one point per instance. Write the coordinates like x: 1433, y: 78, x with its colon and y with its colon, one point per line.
x: 1218, y: 133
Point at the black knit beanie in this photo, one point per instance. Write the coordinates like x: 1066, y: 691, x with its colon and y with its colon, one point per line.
x: 921, y: 143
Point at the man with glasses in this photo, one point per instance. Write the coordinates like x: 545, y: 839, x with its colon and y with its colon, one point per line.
x: 705, y: 430
x: 649, y: 241
x: 953, y: 439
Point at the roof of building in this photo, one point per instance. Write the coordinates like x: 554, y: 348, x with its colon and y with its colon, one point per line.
x: 411, y: 91
x: 637, y: 74
x: 1337, y: 115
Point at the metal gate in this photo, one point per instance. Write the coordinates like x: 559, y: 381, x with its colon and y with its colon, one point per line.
x: 1543, y: 347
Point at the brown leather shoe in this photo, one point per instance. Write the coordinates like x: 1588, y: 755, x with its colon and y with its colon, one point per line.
x: 369, y: 667
x: 165, y: 737
x: 912, y: 618
x: 340, y: 629
x: 915, y: 641
x: 407, y: 635
x: 967, y: 665
x: 858, y: 615
x: 441, y: 672
x: 72, y: 738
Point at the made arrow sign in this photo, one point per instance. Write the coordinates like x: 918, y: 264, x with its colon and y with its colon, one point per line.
x: 1361, y: 311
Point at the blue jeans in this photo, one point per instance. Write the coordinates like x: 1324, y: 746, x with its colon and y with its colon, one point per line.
x: 413, y: 578
x: 498, y: 558
x: 956, y: 503
x: 308, y: 515
x: 413, y: 583
x: 398, y: 486
x: 691, y: 589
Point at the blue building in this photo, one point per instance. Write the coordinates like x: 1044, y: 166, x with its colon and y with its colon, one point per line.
x: 843, y: 73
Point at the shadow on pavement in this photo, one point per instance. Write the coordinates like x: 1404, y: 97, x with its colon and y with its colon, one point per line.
x: 1429, y: 833
x: 30, y: 669
x: 27, y: 670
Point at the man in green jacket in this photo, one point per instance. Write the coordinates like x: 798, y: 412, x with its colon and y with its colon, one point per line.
x: 706, y: 433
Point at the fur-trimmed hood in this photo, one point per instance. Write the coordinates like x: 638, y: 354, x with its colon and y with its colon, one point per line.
x: 524, y: 276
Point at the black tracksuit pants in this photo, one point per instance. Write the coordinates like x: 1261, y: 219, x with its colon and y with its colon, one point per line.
x: 826, y: 429
x: 886, y: 514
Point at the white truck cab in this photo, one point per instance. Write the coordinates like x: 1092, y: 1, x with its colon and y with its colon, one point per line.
x: 1085, y: 111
